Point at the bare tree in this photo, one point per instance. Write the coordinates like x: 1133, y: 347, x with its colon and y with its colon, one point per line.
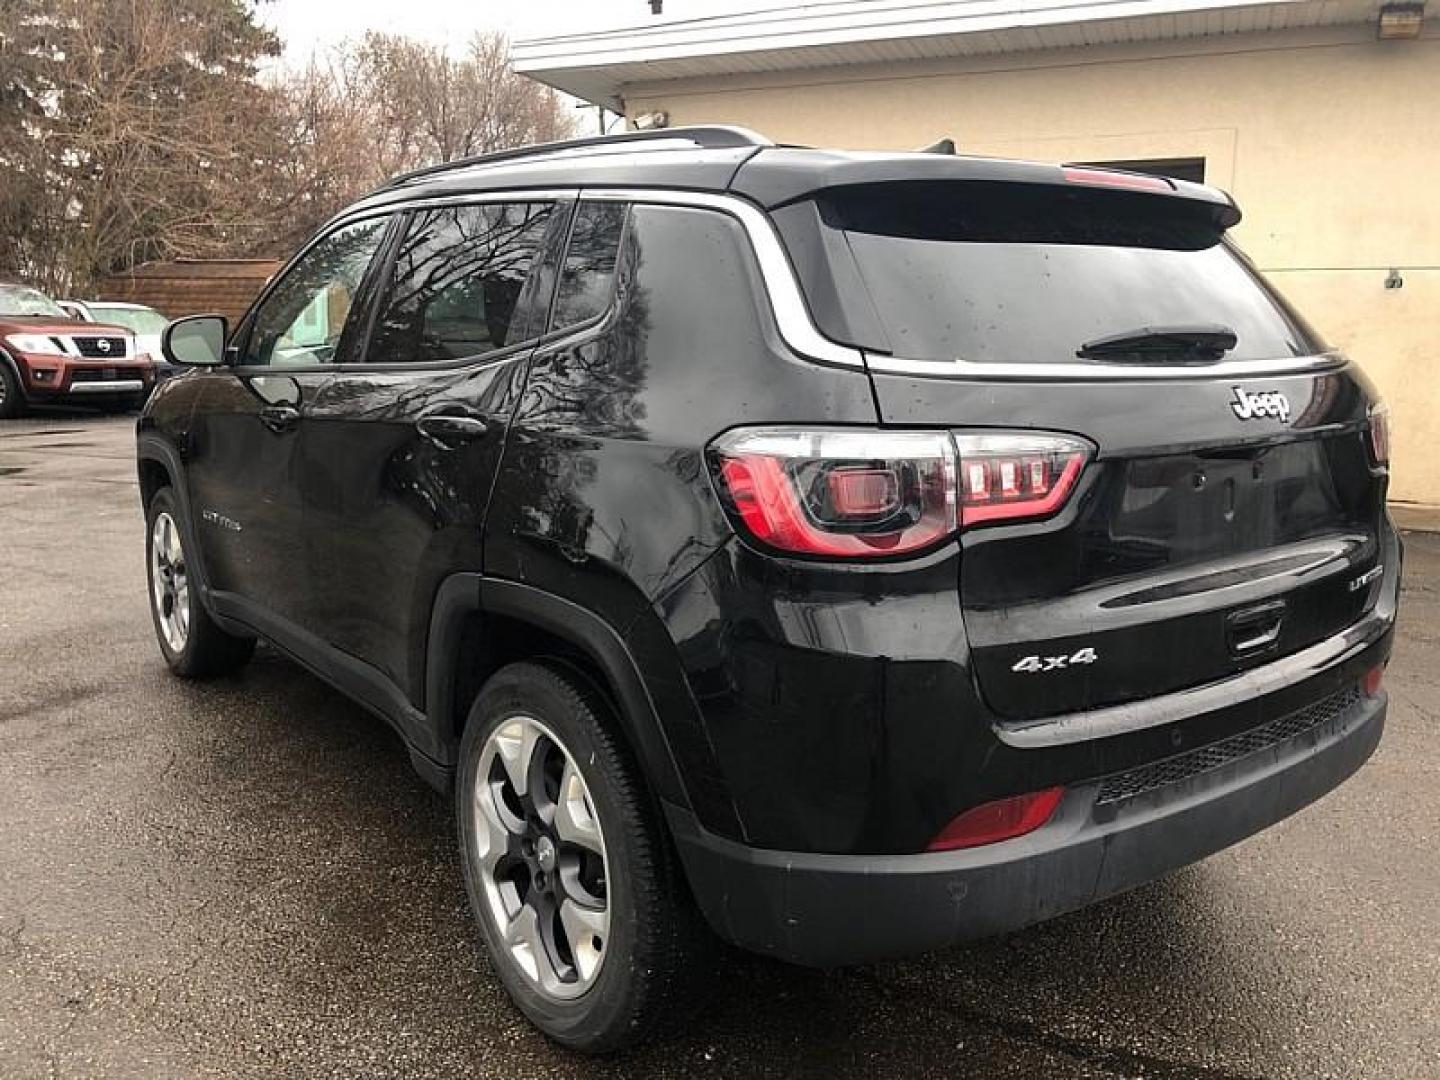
x: 388, y: 104
x: 136, y: 130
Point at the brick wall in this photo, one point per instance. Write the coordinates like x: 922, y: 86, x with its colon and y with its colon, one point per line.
x: 193, y: 287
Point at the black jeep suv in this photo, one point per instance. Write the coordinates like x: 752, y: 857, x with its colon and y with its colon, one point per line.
x: 854, y: 552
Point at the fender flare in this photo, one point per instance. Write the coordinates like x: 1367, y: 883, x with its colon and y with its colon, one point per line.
x: 152, y: 447
x: 465, y: 594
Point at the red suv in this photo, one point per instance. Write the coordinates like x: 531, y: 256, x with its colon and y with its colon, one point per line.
x: 48, y: 357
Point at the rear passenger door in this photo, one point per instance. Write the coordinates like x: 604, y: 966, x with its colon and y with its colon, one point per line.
x: 406, y: 443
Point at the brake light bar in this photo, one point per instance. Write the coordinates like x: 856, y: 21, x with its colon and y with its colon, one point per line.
x: 1076, y: 174
x: 855, y: 493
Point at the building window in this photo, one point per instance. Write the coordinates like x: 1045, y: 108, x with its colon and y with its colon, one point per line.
x: 1178, y: 168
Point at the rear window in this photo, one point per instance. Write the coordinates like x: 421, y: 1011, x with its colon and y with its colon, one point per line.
x: 992, y: 273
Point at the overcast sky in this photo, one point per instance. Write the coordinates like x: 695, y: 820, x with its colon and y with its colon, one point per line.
x: 308, y: 25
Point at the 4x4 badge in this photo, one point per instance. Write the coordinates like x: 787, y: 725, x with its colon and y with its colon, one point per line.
x: 1247, y: 406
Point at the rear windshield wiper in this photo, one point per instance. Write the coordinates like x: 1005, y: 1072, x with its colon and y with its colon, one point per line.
x: 1201, y: 343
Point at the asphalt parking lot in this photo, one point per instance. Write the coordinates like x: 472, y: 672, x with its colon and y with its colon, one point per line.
x: 246, y: 878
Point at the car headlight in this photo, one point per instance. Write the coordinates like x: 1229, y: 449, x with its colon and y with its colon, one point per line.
x: 35, y: 343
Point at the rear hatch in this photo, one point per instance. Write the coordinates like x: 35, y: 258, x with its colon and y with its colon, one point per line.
x: 1230, y: 511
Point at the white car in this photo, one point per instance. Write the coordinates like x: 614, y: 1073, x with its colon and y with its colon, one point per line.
x: 145, y: 322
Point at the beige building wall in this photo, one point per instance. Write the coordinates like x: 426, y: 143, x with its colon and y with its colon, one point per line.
x: 1329, y: 140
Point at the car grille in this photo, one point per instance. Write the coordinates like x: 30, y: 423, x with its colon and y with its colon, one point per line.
x: 1128, y: 785
x: 94, y: 375
x: 93, y: 349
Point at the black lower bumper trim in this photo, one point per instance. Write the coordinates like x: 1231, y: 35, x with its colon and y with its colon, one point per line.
x: 829, y: 910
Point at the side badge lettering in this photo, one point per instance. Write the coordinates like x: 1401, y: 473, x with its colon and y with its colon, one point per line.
x: 213, y: 517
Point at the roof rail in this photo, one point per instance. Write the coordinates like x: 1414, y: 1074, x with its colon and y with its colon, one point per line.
x: 705, y: 137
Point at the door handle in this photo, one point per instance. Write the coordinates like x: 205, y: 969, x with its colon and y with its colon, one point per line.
x: 279, y: 418
x: 448, y: 431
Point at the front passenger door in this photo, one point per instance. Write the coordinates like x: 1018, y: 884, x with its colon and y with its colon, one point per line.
x: 247, y: 448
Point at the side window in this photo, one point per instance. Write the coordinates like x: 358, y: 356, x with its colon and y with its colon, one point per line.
x: 588, y: 280
x: 458, y: 275
x: 304, y: 319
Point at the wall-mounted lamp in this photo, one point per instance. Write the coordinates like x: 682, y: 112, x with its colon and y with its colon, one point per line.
x: 1400, y: 20
x: 1393, y: 280
x: 651, y: 121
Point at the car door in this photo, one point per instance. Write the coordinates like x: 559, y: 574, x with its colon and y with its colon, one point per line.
x: 247, y: 434
x: 404, y: 446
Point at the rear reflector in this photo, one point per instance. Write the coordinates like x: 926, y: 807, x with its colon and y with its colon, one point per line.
x: 1003, y: 819
x: 1108, y: 178
x: 1370, y: 683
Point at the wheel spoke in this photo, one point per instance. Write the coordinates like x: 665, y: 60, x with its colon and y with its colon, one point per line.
x: 495, y: 837
x: 585, y: 933
x: 522, y: 935
x: 515, y: 744
x: 574, y: 817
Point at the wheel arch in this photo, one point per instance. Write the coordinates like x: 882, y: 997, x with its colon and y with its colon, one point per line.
x: 159, y: 465
x: 549, y: 627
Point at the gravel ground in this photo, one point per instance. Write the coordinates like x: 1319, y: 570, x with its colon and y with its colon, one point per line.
x: 245, y: 878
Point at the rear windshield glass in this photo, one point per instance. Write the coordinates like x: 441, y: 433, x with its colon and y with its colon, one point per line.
x: 1009, y: 274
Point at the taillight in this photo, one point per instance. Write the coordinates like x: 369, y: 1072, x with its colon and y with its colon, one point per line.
x: 1379, y: 435
x: 845, y: 493
x: 1016, y: 477
x: 857, y: 493
x: 1370, y: 681
x: 1003, y: 819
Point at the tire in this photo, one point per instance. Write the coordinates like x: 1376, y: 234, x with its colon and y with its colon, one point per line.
x: 643, y: 944
x: 193, y: 645
x: 12, y: 395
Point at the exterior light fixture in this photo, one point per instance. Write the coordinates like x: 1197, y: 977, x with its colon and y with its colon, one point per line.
x: 651, y: 121
x: 1400, y: 20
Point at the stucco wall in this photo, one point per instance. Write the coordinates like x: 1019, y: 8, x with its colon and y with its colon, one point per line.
x: 1329, y: 140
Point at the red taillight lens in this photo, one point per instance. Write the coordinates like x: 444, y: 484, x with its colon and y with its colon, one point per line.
x: 1075, y: 174
x: 1370, y: 682
x: 1015, y: 477
x: 846, y: 494
x: 1003, y: 819
x: 853, y: 493
x: 1380, y: 435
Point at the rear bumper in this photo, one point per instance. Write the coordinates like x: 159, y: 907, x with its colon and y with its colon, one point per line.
x: 827, y: 910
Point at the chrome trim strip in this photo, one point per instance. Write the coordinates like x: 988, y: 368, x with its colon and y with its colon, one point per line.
x: 791, y: 314
x: 117, y: 386
x: 1229, y: 369
x: 1166, y: 709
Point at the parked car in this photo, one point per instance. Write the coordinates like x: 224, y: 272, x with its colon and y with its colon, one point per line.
x: 856, y: 553
x: 47, y: 358
x: 142, y: 321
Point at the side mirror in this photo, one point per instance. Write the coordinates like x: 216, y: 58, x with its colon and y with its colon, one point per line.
x: 195, y: 341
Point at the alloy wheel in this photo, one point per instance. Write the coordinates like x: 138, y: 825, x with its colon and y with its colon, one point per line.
x: 169, y: 582
x: 542, y: 860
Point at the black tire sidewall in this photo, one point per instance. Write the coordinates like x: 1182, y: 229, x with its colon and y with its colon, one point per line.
x: 601, y: 1017
x: 14, y: 404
